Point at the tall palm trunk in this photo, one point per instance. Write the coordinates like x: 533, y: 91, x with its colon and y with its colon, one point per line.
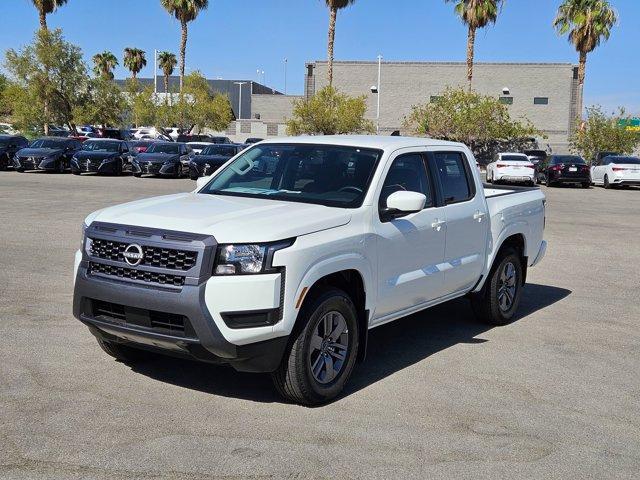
x: 166, y: 89
x: 43, y: 19
x: 183, y: 51
x: 333, y: 12
x: 582, y: 71
x: 471, y: 40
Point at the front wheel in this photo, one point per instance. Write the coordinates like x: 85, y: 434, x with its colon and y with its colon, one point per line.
x: 499, y: 298
x: 322, y: 356
x: 61, y: 168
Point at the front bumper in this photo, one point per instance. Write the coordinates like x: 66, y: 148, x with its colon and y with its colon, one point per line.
x: 154, y: 168
x: 188, y: 320
x: 95, y: 166
x: 31, y: 163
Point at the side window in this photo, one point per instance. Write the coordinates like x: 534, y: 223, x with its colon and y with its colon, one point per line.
x: 454, y: 177
x: 407, y: 173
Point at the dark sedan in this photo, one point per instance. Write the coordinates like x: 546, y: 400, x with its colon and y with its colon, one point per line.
x: 47, y: 153
x: 9, y: 146
x: 211, y: 158
x: 558, y: 169
x: 140, y: 146
x: 166, y: 159
x: 102, y: 156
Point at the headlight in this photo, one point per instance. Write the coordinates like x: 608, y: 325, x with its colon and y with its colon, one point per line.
x: 247, y: 258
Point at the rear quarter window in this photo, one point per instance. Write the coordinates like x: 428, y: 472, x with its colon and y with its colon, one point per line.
x: 455, y: 177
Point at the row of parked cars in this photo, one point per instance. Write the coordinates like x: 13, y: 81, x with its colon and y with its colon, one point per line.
x: 115, y: 157
x: 608, y: 170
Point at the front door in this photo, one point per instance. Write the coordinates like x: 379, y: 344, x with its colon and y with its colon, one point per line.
x: 411, y: 248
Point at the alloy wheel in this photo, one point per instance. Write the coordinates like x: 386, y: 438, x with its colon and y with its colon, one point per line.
x: 507, y: 285
x: 329, y: 347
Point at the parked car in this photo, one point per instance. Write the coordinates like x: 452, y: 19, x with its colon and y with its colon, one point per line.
x: 535, y: 156
x: 203, y: 138
x: 212, y: 158
x: 198, y: 146
x: 138, y: 133
x: 9, y: 146
x: 7, y: 129
x: 47, y: 153
x: 511, y: 168
x: 140, y: 146
x: 252, y: 140
x: 102, y: 156
x: 616, y: 171
x: 558, y: 169
x: 600, y: 155
x: 172, y: 132
x: 114, y: 133
x: 368, y: 230
x: 163, y: 159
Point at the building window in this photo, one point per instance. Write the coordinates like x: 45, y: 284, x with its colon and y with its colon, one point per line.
x: 435, y: 98
x: 506, y: 100
x: 541, y: 100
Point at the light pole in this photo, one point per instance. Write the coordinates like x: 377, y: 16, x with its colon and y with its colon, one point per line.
x: 260, y: 74
x: 155, y: 73
x: 285, y: 76
x: 240, y: 98
x: 378, y: 108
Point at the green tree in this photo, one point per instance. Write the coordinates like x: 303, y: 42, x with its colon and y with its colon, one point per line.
x: 5, y: 108
x: 604, y: 133
x: 102, y: 104
x: 167, y: 62
x: 45, y: 7
x: 141, y: 103
x: 104, y: 63
x: 475, y: 14
x: 200, y: 108
x: 479, y: 121
x: 329, y: 112
x: 587, y: 22
x: 333, y: 6
x: 184, y: 11
x: 135, y: 60
x: 47, y: 77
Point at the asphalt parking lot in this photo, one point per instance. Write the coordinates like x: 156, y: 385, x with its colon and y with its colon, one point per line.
x: 556, y: 394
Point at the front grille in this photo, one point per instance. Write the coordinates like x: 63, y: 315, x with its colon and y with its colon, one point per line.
x: 29, y: 162
x: 162, y: 322
x: 153, y: 256
x: 132, y: 274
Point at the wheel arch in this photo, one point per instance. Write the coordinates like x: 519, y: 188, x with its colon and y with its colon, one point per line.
x: 514, y: 238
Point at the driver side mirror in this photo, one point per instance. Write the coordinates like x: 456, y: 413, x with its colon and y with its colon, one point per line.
x: 403, y: 203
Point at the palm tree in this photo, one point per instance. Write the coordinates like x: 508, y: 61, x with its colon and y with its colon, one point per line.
x: 104, y: 63
x: 334, y: 6
x: 185, y: 11
x: 167, y: 62
x: 134, y: 60
x: 45, y: 7
x: 475, y: 14
x: 587, y: 22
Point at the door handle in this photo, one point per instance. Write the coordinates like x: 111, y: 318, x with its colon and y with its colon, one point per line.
x: 437, y: 224
x: 479, y: 216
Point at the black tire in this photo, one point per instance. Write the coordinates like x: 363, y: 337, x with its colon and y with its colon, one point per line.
x: 294, y: 378
x: 586, y: 185
x: 122, y: 353
x: 75, y: 173
x: 487, y: 304
x: 118, y: 172
x: 606, y: 183
x: 137, y: 175
x: 548, y: 183
x: 61, y: 168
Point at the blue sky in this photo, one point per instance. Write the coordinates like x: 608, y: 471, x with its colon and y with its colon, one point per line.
x: 234, y: 38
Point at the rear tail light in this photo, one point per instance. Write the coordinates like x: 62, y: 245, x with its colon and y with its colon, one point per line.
x: 585, y: 168
x: 557, y: 167
x: 500, y: 165
x: 619, y: 169
x: 530, y: 166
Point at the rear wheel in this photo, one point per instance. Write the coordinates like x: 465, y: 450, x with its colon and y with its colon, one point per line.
x: 137, y: 175
x: 499, y: 298
x: 606, y: 183
x: 121, y: 352
x: 322, y: 356
x: 586, y: 185
x: 547, y: 182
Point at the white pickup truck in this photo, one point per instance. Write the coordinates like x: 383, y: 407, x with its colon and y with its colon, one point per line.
x: 287, y: 256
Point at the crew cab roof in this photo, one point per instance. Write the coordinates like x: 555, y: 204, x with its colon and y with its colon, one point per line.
x: 365, y: 141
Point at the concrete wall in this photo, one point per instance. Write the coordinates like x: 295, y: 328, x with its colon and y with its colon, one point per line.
x: 404, y: 84
x: 276, y: 108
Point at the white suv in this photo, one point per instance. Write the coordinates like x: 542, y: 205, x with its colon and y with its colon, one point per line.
x: 291, y: 252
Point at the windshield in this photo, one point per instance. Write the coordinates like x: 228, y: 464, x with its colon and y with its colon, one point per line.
x: 170, y: 148
x: 198, y: 145
x: 219, y: 150
x: 514, y: 158
x: 47, y: 143
x: 626, y: 160
x: 322, y: 174
x: 101, y: 146
x: 568, y: 159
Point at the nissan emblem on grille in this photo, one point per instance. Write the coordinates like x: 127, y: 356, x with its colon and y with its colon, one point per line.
x: 133, y: 254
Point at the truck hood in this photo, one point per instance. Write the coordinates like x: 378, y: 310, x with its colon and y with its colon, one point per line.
x: 229, y: 219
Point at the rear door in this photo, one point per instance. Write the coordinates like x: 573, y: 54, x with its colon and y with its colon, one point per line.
x: 466, y: 216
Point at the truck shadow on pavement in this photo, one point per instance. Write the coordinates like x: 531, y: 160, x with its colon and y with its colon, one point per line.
x: 392, y: 347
